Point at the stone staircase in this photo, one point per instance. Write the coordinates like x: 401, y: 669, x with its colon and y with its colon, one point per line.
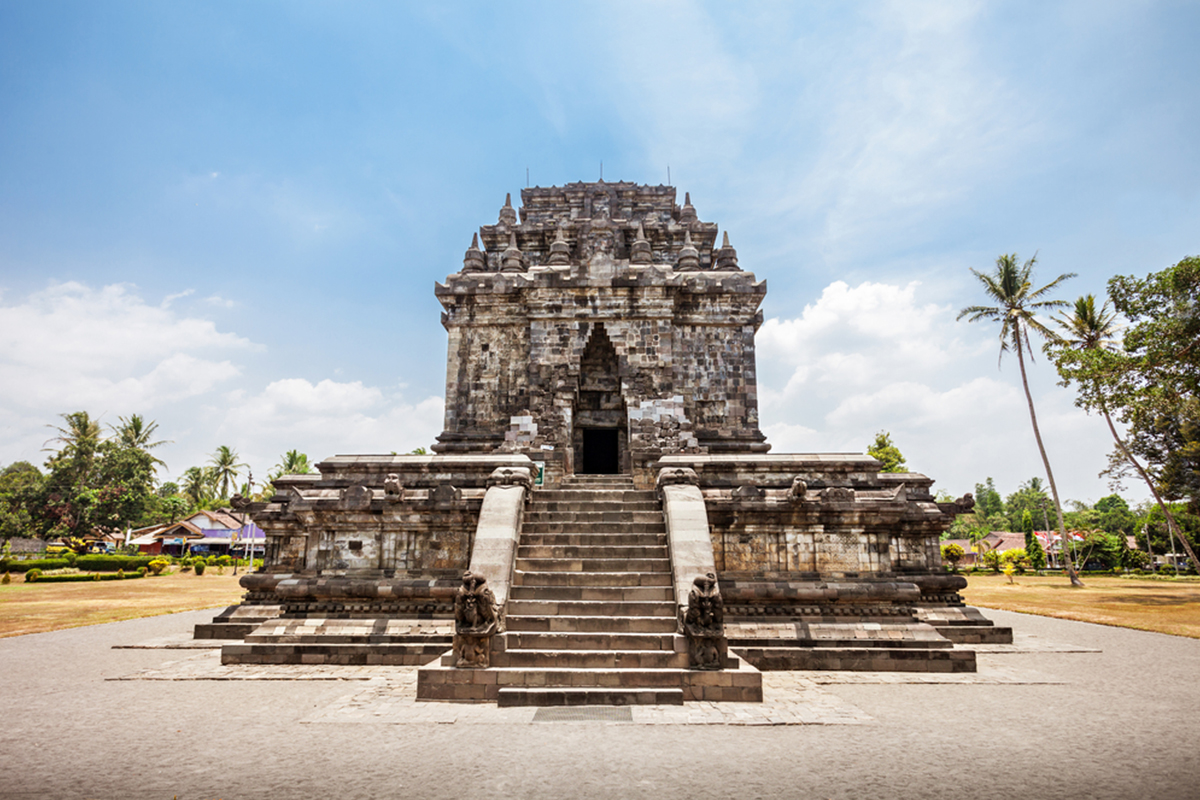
x: 591, y: 612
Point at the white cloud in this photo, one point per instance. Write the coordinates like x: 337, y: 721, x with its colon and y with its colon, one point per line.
x: 327, y: 418
x: 874, y: 357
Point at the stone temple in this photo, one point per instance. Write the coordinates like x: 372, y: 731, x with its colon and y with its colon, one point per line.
x: 602, y: 521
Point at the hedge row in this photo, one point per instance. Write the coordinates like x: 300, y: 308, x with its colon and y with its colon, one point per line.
x: 92, y: 563
x: 93, y: 576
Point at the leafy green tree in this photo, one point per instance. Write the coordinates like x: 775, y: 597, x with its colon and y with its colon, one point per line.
x: 988, y: 502
x: 1031, y: 497
x: 1037, y: 554
x: 1115, y: 515
x: 93, y: 484
x: 1107, y: 378
x: 20, y: 489
x: 952, y: 554
x: 1010, y: 287
x: 226, y: 468
x: 887, y: 453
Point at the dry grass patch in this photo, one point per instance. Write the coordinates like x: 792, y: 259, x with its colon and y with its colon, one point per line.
x: 41, y: 607
x: 1148, y: 605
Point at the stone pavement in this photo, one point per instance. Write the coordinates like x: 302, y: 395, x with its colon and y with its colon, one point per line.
x: 388, y: 695
x: 130, y: 710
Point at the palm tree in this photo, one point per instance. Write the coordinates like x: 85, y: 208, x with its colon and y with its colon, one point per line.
x: 293, y: 462
x: 1011, y: 288
x: 1089, y: 329
x: 136, y: 433
x: 80, y: 431
x: 198, y: 483
x: 225, y: 466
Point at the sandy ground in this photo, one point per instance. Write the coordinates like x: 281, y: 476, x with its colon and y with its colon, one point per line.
x: 1117, y: 722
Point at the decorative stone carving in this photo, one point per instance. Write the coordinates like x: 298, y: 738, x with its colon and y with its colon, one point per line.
x: 962, y: 505
x: 356, y: 496
x: 837, y: 494
x: 508, y: 214
x: 511, y: 476
x: 798, y: 490
x: 393, y: 489
x: 474, y: 622
x: 675, y: 476
x: 238, y: 502
x: 748, y: 491
x: 445, y: 494
x: 704, y: 624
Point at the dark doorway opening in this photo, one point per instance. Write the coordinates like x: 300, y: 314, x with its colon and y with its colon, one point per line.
x: 601, y: 451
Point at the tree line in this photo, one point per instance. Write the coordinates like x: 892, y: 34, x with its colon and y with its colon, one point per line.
x: 102, y: 482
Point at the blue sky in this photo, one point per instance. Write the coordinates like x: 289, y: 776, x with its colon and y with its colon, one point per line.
x: 229, y: 217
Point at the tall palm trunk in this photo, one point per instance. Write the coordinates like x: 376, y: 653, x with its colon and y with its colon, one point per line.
x: 1172, y: 527
x: 1068, y: 562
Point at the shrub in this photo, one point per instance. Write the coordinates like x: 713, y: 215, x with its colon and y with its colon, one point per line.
x: 6, y: 579
x: 211, y: 560
x: 141, y: 572
x: 953, y: 553
x: 79, y: 577
x: 71, y: 557
x: 224, y: 561
x: 158, y: 565
x: 33, y: 563
x: 112, y: 563
x: 32, y: 575
x: 121, y: 574
x: 200, y: 566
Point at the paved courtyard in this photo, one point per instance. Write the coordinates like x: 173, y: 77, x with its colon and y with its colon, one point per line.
x: 136, y: 710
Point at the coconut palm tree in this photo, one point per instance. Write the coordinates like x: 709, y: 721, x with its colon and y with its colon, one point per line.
x: 293, y: 462
x: 1089, y: 329
x: 135, y: 432
x: 198, y: 483
x: 80, y: 431
x: 225, y: 466
x: 1010, y: 287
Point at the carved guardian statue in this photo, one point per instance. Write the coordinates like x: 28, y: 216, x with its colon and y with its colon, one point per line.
x: 474, y: 621
x: 704, y: 624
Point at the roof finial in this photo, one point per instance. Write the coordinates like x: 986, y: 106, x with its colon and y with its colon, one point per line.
x: 508, y: 214
x: 689, y: 256
x: 560, y: 250
x: 473, y: 259
x: 640, y: 252
x: 514, y: 260
x: 726, y: 258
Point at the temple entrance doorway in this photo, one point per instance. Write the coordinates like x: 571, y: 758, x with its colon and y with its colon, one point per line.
x: 601, y: 451
x: 601, y: 435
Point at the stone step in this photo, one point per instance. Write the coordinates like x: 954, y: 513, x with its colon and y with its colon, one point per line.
x: 611, y: 579
x: 271, y: 637
x: 604, y: 593
x: 340, y: 654
x: 592, y: 608
x: 588, y: 495
x: 594, y: 505
x: 591, y: 659
x: 596, y: 640
x: 592, y: 551
x: 511, y: 696
x: 593, y: 539
x: 587, y: 517
x: 646, y: 678
x: 536, y: 623
x: 594, y: 564
x: 869, y: 659
x: 568, y: 526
